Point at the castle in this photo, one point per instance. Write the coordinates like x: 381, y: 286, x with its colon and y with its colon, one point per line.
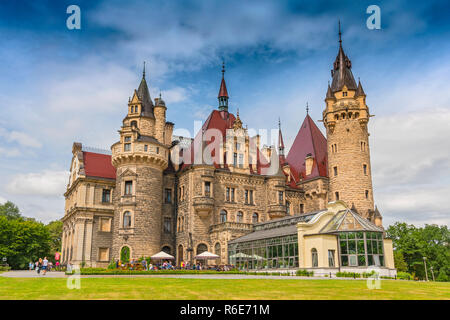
x: 183, y: 196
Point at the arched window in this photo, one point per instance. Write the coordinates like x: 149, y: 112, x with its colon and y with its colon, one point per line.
x: 240, y: 217
x: 127, y: 219
x: 180, y: 254
x: 125, y: 254
x: 223, y: 216
x: 336, y: 117
x: 166, y: 249
x: 356, y: 115
x: 134, y: 123
x: 255, y: 218
x: 201, y: 248
x: 343, y: 115
x: 217, y: 249
x: 314, y: 257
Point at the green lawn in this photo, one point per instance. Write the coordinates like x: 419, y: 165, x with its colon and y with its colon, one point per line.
x: 169, y: 288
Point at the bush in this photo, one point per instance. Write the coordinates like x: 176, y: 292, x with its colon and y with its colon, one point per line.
x: 112, y: 265
x: 304, y: 273
x: 4, y: 268
x: 369, y: 274
x: 404, y: 276
x: 348, y: 274
x: 442, y: 275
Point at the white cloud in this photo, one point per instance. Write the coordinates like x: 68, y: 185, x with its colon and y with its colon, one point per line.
x: 9, y: 152
x: 45, y: 183
x: 22, y: 138
x: 2, y: 200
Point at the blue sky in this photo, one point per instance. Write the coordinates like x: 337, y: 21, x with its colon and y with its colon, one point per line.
x: 58, y: 86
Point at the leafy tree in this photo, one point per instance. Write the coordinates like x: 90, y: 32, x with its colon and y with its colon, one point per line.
x: 9, y: 210
x: 55, y: 230
x: 432, y: 242
x: 399, y: 262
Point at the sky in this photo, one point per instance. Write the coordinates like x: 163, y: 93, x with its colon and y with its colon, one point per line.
x: 58, y: 86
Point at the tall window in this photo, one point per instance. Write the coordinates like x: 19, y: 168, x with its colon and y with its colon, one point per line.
x: 232, y: 195
x: 167, y: 225
x: 217, y: 249
x: 241, y: 160
x: 227, y: 195
x: 255, y: 218
x: 302, y: 208
x: 128, y: 187
x: 246, y: 196
x: 106, y: 195
x: 367, y: 194
x: 240, y: 217
x: 251, y: 196
x: 288, y: 208
x: 335, y: 171
x: 365, y: 168
x: 280, y: 197
x: 331, y: 258
x: 127, y: 219
x: 168, y: 196
x: 314, y: 257
x: 223, y: 216
x: 336, y: 195
x: 235, y: 159
x: 207, y: 188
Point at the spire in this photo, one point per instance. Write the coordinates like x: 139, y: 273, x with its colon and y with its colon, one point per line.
x: 307, y: 108
x: 280, y: 139
x: 341, y: 72
x: 144, y: 96
x: 330, y: 94
x: 360, y: 90
x: 223, y: 93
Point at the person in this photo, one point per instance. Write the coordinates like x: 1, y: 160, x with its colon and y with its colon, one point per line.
x: 39, y: 266
x: 144, y: 264
x: 57, y: 265
x: 31, y: 265
x: 44, y: 266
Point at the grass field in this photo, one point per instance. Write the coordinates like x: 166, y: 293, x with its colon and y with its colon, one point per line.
x: 170, y: 288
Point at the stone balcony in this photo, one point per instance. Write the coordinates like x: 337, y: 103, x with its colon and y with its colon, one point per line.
x: 277, y: 211
x: 203, y: 206
x: 233, y: 226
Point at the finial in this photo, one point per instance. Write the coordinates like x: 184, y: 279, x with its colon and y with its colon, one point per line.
x: 237, y: 113
x: 279, y: 123
x: 223, y: 67
x: 159, y: 94
x: 143, y: 73
x: 340, y: 34
x: 307, y: 108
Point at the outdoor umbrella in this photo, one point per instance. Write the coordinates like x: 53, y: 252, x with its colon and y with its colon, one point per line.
x: 206, y: 256
x: 162, y: 256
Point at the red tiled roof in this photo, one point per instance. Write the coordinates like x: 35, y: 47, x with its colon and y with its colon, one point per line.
x: 309, y: 140
x: 98, y: 165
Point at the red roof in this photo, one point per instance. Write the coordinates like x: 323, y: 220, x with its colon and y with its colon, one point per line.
x: 223, y: 89
x: 309, y: 140
x: 98, y: 165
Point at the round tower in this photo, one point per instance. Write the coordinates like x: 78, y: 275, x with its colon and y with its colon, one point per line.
x: 140, y: 158
x: 345, y: 117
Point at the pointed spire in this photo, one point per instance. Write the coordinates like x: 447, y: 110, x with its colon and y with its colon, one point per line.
x: 280, y: 139
x: 223, y: 93
x: 143, y: 72
x: 360, y: 90
x: 144, y: 95
x: 330, y: 94
x: 307, y: 108
x: 341, y: 72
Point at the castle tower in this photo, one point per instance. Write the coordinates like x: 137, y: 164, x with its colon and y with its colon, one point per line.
x: 140, y: 157
x: 223, y: 93
x: 345, y: 118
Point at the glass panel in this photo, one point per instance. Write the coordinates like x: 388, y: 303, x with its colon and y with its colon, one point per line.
x: 370, y: 260
x: 351, y: 235
x: 361, y: 247
x: 353, y: 260
x: 344, y: 247
x: 382, y: 260
x: 343, y: 235
x: 360, y: 235
x: 361, y: 260
x: 369, y: 247
x: 380, y: 247
x: 344, y: 261
x: 351, y: 246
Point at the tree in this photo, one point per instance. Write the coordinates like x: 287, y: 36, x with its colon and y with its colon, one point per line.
x: 55, y: 230
x: 432, y: 242
x: 10, y: 211
x: 399, y: 262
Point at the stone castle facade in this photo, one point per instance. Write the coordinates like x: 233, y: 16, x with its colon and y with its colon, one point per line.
x: 184, y: 196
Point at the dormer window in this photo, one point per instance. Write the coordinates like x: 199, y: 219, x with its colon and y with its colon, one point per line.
x: 344, y: 94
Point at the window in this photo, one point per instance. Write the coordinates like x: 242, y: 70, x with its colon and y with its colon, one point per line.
x: 127, y: 219
x: 238, y: 146
x: 288, y: 208
x: 127, y: 139
x: 168, y: 196
x: 280, y: 197
x: 336, y: 194
x: 127, y: 147
x: 223, y: 216
x: 246, y: 196
x: 201, y: 248
x: 353, y: 261
x: 331, y: 258
x: 255, y: 218
x: 235, y: 159
x: 167, y: 225
x: 240, y: 217
x: 134, y: 123
x: 232, y: 195
x: 344, y: 94
x: 103, y: 254
x: 367, y: 194
x: 145, y: 148
x: 166, y: 249
x: 227, y: 195
x: 241, y: 160
x: 157, y: 150
x: 365, y: 169
x: 106, y: 195
x: 128, y: 187
x: 314, y: 258
x: 105, y: 224
x: 217, y: 249
x: 207, y: 188
x: 335, y: 171
x: 302, y: 208
x: 251, y: 196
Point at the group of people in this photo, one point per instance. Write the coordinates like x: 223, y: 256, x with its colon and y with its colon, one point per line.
x: 42, y: 265
x: 168, y: 265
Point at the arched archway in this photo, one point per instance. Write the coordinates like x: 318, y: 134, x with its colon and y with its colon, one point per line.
x: 125, y: 254
x: 166, y: 249
x: 201, y: 248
